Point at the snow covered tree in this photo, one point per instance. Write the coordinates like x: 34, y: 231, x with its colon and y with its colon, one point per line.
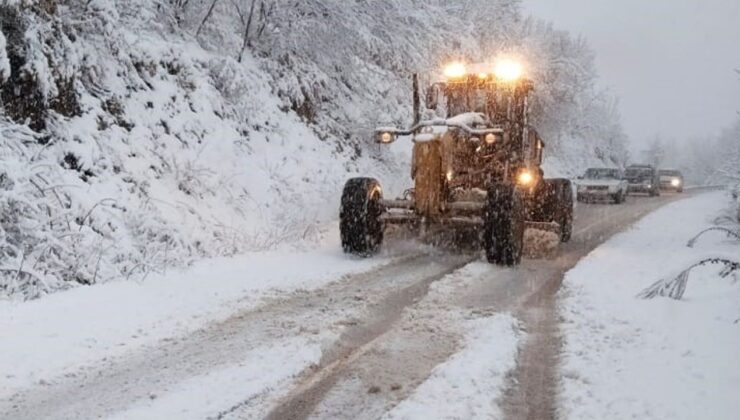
x: 4, y: 62
x: 141, y: 134
x: 655, y: 154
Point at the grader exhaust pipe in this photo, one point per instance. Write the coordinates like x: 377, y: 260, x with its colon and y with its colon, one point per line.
x: 417, y: 99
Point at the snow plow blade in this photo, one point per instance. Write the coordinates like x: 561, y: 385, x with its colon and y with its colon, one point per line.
x: 541, y: 239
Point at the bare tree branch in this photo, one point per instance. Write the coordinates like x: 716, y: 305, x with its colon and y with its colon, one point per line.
x: 205, y: 19
x: 674, y: 288
x: 245, y: 40
x: 729, y: 232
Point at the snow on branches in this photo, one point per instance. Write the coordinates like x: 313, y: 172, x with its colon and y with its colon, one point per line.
x: 4, y: 62
x: 674, y: 287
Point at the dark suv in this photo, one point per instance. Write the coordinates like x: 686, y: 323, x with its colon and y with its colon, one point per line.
x: 643, y: 179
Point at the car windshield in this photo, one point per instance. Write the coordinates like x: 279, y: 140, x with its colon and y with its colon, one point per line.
x: 639, y: 174
x: 670, y: 172
x: 602, y: 173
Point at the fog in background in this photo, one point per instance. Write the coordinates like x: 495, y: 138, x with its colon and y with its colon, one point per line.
x: 671, y: 62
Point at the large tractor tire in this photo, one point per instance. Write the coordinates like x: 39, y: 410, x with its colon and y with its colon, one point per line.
x: 554, y: 203
x: 503, y: 232
x: 360, y: 227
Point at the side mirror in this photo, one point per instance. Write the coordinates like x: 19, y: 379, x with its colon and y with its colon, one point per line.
x: 432, y: 100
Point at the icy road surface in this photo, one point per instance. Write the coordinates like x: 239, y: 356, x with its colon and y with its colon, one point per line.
x: 341, y: 339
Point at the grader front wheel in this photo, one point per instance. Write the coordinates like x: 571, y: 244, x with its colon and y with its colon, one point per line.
x: 503, y: 233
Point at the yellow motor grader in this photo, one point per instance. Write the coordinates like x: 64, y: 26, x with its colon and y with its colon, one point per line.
x: 479, y: 167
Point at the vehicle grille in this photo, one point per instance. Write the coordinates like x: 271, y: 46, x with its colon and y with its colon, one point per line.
x: 598, y: 188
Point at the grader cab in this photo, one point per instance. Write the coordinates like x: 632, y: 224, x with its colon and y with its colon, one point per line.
x: 477, y: 167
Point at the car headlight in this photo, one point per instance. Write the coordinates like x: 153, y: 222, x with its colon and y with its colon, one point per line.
x: 675, y: 182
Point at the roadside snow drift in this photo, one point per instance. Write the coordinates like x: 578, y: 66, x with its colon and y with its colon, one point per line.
x: 45, y: 339
x: 626, y: 357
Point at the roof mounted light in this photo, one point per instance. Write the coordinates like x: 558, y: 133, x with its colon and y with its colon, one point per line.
x: 508, y: 70
x: 455, y: 70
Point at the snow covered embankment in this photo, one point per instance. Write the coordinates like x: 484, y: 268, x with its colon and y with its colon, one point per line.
x: 625, y: 357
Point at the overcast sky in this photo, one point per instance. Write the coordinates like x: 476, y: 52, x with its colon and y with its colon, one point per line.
x: 670, y: 61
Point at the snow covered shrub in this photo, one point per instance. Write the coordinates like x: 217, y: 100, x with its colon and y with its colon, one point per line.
x: 675, y: 287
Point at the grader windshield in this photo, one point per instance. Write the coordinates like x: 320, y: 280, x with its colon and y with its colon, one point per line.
x: 497, y: 91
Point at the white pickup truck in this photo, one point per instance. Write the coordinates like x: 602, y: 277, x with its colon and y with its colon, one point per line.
x: 602, y: 184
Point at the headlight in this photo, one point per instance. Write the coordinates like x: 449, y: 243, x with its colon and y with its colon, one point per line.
x: 455, y: 70
x: 675, y: 182
x: 525, y: 178
x: 508, y: 70
x: 450, y: 175
x: 490, y: 138
x: 385, y: 137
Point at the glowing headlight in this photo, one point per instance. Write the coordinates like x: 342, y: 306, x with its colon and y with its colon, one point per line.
x: 525, y: 178
x: 455, y: 70
x: 385, y: 137
x: 450, y: 175
x: 675, y: 182
x: 508, y: 70
x: 490, y: 138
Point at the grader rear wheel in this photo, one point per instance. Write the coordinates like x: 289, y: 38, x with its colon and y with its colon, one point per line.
x: 360, y: 227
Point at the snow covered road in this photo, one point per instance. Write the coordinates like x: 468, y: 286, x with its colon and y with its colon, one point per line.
x: 344, y: 338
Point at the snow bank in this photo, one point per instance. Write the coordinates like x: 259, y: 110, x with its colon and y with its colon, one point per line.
x: 43, y: 339
x: 154, y: 153
x: 468, y: 384
x: 626, y: 357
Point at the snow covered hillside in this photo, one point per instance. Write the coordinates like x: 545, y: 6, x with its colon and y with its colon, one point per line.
x: 626, y: 357
x: 145, y: 134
